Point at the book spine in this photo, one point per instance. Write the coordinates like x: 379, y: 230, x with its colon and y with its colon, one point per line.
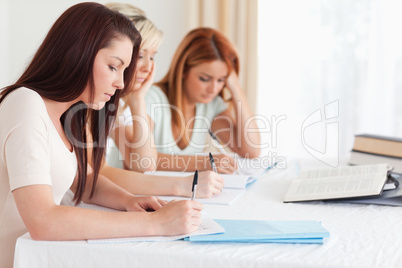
x: 378, y: 137
x: 378, y: 146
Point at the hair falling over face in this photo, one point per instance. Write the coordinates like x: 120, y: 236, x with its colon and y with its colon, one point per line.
x: 62, y: 68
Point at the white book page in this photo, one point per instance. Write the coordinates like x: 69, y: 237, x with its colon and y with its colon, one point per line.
x: 335, y: 183
x: 343, y: 171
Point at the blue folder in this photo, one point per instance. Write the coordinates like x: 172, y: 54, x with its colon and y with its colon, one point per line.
x: 267, y: 232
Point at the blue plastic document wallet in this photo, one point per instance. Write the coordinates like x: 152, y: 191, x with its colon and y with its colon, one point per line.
x: 267, y: 232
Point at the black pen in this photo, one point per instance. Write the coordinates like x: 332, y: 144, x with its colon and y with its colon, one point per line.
x: 195, y: 181
x: 212, y: 162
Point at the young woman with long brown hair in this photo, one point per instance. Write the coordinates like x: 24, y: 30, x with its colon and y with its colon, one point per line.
x: 76, y: 77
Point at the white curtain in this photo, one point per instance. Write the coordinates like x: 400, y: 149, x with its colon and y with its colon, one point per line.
x: 329, y: 70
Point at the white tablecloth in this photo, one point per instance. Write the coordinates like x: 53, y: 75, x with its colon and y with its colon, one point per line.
x: 361, y: 236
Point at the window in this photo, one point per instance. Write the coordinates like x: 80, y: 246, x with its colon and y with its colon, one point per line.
x: 330, y: 69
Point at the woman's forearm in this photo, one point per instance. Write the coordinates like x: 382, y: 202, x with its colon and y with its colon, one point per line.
x: 144, y: 184
x: 189, y: 163
x: 209, y: 183
x: 48, y: 221
x: 107, y: 194
x: 247, y: 136
x: 136, y: 141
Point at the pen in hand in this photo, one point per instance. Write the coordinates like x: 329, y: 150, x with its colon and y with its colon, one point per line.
x: 212, y: 162
x: 220, y: 147
x: 194, y: 188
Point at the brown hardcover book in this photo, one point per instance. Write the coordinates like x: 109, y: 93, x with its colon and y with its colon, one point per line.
x: 381, y: 145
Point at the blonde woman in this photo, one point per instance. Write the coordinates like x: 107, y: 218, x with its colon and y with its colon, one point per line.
x: 188, y: 102
x: 134, y: 103
x: 132, y: 127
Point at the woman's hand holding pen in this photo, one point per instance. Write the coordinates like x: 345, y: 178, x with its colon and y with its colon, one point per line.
x: 177, y: 217
x: 144, y: 203
x: 225, y: 164
x: 209, y: 184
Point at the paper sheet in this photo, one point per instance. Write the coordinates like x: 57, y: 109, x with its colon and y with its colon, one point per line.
x: 208, y: 226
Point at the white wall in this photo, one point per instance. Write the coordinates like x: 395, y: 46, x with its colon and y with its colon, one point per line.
x: 4, y: 44
x: 24, y: 24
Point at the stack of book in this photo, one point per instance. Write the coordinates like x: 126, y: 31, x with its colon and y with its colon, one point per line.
x: 374, y: 149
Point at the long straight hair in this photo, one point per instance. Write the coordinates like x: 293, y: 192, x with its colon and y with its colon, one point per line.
x: 63, y: 67
x: 151, y: 36
x: 198, y: 46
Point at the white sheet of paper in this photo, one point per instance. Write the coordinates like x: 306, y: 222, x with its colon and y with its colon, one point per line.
x: 208, y: 226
